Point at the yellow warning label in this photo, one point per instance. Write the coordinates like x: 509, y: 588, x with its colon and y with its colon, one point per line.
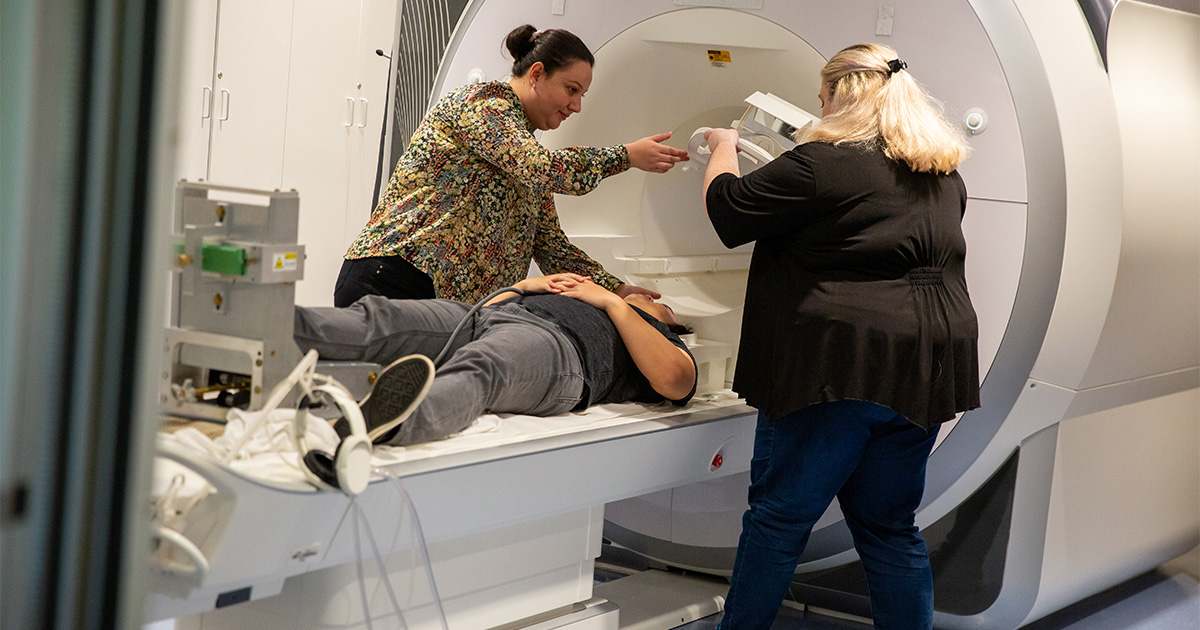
x: 719, y: 56
x: 285, y: 261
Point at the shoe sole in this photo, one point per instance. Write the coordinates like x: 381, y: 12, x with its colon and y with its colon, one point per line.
x: 399, y: 389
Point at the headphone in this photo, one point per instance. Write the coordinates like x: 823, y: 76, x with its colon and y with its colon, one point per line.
x: 348, y: 470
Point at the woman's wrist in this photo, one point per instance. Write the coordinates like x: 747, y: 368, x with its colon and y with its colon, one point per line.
x: 625, y: 163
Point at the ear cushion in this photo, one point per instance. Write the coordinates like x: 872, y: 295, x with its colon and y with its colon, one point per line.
x: 319, y: 463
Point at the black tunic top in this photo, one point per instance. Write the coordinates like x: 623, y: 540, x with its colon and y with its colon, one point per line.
x: 856, y: 287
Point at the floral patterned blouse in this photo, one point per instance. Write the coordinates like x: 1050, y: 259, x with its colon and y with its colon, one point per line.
x: 472, y: 199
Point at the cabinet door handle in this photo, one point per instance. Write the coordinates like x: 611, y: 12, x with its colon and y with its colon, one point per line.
x: 349, y: 119
x: 224, y: 105
x: 362, y: 123
x: 205, y: 104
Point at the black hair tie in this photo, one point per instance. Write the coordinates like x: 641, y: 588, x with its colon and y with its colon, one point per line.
x: 896, y: 65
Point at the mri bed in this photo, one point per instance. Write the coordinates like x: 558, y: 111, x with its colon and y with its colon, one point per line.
x: 1080, y: 469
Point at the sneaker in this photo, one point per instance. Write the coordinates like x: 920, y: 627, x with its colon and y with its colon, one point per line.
x: 397, y: 391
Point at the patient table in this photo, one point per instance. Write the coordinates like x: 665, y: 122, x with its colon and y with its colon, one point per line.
x: 510, y: 511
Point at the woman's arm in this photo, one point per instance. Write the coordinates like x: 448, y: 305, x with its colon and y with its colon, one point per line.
x: 495, y: 129
x: 542, y: 284
x: 723, y: 144
x: 775, y: 199
x: 651, y: 155
x: 554, y: 253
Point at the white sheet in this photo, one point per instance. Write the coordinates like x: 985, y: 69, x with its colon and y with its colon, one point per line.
x: 270, y: 454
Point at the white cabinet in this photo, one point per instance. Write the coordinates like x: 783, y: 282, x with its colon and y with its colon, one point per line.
x: 336, y: 95
x: 250, y: 93
x: 195, y: 102
x: 290, y: 94
x: 235, y: 66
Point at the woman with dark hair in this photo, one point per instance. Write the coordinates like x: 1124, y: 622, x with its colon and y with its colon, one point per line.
x: 471, y: 201
x: 858, y: 335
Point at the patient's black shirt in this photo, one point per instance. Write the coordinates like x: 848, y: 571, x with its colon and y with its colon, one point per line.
x: 608, y: 369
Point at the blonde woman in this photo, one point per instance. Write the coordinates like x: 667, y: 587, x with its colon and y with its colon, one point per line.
x: 858, y: 337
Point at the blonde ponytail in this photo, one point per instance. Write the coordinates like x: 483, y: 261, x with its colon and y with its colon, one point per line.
x: 875, y: 101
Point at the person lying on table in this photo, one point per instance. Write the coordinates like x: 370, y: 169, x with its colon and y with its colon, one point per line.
x: 566, y: 344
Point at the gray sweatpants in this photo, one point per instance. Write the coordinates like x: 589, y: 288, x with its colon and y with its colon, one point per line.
x: 509, y: 361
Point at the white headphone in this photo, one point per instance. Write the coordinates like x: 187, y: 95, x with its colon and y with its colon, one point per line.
x: 349, y: 468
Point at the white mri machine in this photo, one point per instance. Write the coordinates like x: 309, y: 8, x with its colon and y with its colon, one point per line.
x: 1078, y: 472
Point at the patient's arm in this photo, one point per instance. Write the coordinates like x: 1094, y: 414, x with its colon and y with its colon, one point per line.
x: 669, y: 369
x: 554, y: 283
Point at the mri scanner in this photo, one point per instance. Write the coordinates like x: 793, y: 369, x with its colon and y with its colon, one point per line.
x: 1079, y: 470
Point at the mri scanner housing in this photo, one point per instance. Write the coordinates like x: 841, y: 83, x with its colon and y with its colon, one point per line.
x: 1078, y: 472
x: 1080, y: 194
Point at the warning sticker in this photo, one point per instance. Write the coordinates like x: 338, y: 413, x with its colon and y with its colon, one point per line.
x: 719, y: 56
x: 285, y: 261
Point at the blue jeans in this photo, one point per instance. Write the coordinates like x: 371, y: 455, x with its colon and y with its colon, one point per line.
x: 507, y: 361
x: 870, y: 458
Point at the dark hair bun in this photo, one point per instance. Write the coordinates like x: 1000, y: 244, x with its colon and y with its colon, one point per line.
x: 519, y: 41
x: 554, y: 48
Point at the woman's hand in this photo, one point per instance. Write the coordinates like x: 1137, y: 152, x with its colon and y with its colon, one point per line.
x: 593, y: 294
x: 625, y: 290
x: 650, y: 155
x: 554, y: 283
x: 717, y: 137
x: 723, y: 145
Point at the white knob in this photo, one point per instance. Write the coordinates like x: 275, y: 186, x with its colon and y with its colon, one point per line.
x: 975, y: 121
x: 475, y: 76
x: 697, y: 147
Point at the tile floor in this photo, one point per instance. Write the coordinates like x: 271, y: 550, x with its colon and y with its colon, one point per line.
x: 1167, y: 598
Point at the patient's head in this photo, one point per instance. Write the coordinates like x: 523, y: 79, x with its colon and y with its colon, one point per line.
x: 657, y: 310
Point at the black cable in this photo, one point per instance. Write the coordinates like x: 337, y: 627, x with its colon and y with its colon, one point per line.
x: 470, y: 314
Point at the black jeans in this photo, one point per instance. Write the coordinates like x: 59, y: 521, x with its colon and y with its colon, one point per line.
x: 390, y: 276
